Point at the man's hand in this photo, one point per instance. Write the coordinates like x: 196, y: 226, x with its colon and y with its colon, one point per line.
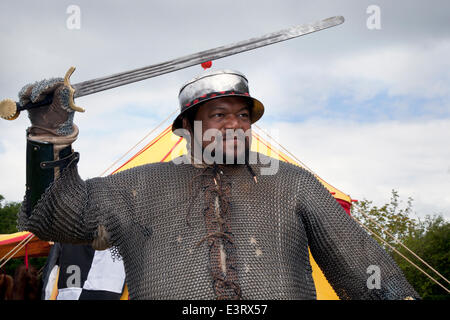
x: 54, y: 120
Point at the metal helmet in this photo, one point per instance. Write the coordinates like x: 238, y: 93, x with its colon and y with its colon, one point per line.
x: 212, y: 85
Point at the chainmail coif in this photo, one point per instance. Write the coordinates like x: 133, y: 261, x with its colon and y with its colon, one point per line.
x: 216, y: 233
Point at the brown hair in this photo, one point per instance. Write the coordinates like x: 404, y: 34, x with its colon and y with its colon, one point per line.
x: 26, y: 284
x: 6, y: 287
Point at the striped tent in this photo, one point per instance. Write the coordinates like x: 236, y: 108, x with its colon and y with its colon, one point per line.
x: 33, y: 247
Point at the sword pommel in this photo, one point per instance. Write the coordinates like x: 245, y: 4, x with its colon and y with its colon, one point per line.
x: 8, y: 109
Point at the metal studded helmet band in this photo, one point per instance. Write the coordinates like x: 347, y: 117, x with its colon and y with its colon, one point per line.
x: 212, y: 85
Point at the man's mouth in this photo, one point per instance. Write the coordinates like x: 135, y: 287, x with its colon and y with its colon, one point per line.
x: 234, y: 141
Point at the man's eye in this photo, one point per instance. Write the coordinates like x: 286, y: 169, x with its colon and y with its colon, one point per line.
x: 218, y: 115
x: 244, y: 115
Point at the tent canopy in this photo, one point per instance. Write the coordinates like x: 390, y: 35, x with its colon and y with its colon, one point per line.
x: 34, y: 248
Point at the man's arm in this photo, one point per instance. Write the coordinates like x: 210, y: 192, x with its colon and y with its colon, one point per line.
x: 56, y: 204
x: 348, y: 256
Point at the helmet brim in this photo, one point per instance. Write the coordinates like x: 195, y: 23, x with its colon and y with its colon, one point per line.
x: 255, y: 113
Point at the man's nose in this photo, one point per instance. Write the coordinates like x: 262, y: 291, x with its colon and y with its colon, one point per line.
x: 231, y: 122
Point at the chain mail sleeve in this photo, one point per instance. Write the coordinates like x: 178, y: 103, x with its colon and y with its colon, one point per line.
x: 346, y: 253
x: 80, y: 212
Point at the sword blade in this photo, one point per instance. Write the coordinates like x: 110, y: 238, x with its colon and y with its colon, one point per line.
x: 127, y: 77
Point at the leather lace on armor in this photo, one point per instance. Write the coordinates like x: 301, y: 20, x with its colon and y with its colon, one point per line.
x: 192, y: 233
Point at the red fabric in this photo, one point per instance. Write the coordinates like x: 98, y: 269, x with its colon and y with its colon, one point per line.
x: 26, y: 256
x: 346, y: 205
x: 170, y: 151
x: 15, y: 239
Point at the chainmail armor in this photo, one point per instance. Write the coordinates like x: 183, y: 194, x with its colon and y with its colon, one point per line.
x: 43, y: 86
x: 214, y: 233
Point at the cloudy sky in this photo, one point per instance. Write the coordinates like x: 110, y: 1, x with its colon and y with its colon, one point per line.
x: 367, y: 109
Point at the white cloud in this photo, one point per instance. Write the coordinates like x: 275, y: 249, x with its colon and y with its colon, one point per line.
x: 415, y: 70
x: 369, y: 160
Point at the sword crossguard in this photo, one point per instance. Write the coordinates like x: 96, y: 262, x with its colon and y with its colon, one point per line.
x: 71, y: 90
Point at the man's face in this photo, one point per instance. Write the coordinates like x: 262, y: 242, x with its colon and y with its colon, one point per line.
x: 226, y: 115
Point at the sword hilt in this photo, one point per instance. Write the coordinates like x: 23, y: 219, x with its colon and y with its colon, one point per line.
x: 10, y: 110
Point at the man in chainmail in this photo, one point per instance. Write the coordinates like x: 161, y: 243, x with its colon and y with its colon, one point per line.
x: 212, y: 224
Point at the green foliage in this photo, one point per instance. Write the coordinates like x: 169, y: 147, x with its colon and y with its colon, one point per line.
x: 431, y: 242
x: 390, y: 217
x: 8, y: 216
x: 8, y: 224
x: 428, y: 238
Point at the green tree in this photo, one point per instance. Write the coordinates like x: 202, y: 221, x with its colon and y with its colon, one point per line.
x: 8, y: 224
x: 428, y: 238
x: 8, y: 216
x: 431, y: 242
x: 391, y: 217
